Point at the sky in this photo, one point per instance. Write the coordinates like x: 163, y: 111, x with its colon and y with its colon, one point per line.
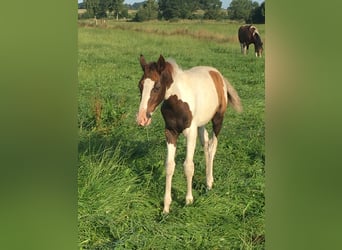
x: 225, y: 3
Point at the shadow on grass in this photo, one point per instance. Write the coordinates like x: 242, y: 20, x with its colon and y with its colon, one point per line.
x: 137, y: 154
x: 97, y: 143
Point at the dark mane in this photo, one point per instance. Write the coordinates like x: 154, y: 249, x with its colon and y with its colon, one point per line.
x: 166, y: 76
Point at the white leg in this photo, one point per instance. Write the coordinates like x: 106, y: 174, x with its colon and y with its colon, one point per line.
x: 191, y: 136
x: 242, y: 48
x: 170, y: 168
x: 212, y: 152
x: 205, y: 143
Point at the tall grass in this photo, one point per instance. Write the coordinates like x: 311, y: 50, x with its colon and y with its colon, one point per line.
x: 121, y: 166
x: 222, y: 32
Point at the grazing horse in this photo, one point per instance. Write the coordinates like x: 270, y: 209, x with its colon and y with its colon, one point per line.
x: 191, y: 98
x: 249, y: 34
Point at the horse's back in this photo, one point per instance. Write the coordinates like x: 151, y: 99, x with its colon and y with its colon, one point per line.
x: 244, y: 34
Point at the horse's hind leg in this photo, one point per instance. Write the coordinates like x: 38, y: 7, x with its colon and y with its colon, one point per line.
x: 209, y: 147
x: 205, y: 143
x: 212, y: 146
x: 212, y: 152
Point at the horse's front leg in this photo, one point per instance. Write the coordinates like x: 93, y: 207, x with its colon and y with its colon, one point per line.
x: 171, y: 139
x: 191, y: 136
x: 242, y: 48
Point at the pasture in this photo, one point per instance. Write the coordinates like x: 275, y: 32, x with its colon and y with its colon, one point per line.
x: 121, y: 172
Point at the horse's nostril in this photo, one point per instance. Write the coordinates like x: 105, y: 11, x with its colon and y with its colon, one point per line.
x: 148, y: 115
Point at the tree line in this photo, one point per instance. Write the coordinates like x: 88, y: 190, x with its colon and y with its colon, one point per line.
x: 241, y: 10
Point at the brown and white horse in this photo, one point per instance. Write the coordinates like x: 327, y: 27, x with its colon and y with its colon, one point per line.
x: 191, y: 98
x: 249, y: 34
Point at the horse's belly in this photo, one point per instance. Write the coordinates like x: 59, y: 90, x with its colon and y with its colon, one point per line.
x: 204, y: 119
x: 206, y: 108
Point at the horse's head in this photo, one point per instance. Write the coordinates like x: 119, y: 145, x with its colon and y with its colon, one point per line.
x: 258, y: 44
x: 153, y: 84
x: 256, y: 39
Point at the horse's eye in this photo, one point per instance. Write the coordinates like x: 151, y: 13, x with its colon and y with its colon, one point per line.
x: 157, y: 87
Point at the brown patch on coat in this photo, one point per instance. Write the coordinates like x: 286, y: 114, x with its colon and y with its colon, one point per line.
x: 177, y: 116
x: 171, y: 136
x: 217, y: 122
x: 221, y: 95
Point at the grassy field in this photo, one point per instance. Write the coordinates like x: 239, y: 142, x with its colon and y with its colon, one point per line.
x: 121, y: 173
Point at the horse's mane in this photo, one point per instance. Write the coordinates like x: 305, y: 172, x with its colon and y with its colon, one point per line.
x: 258, y: 39
x: 175, y: 66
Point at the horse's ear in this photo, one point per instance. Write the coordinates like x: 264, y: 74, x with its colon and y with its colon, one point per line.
x: 143, y: 62
x: 161, y: 63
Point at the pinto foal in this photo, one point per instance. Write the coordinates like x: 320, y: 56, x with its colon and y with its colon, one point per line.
x: 191, y: 98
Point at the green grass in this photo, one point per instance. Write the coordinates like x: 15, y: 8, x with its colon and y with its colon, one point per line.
x: 121, y: 174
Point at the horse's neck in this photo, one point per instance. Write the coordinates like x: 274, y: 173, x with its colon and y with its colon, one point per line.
x: 174, y: 88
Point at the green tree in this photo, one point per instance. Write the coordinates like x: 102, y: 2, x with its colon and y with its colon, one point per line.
x: 100, y: 8
x: 170, y: 9
x: 188, y: 7
x: 116, y: 6
x: 92, y: 7
x: 258, y: 14
x: 212, y: 8
x: 148, y: 11
x: 240, y: 10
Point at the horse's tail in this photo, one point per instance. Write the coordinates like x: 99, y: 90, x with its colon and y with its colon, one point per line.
x: 233, y: 97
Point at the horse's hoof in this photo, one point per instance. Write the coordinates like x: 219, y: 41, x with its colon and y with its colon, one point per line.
x: 166, y: 210
x: 189, y: 200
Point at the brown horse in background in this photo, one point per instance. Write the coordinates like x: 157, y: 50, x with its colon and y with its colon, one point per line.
x: 249, y: 34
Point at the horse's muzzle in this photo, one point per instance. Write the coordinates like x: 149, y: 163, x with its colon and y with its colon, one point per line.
x: 144, y: 118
